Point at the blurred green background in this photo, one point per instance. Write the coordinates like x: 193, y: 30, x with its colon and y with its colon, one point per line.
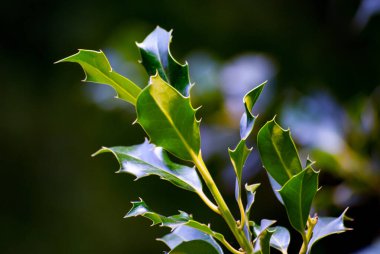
x: 322, y: 60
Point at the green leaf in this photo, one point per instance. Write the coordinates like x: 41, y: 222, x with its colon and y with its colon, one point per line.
x: 251, y: 191
x: 98, y: 70
x: 298, y: 194
x: 187, y: 240
x: 280, y: 239
x: 248, y: 119
x: 240, y: 154
x: 278, y: 152
x: 147, y: 159
x: 263, y: 235
x: 156, y: 57
x: 327, y: 226
x: 139, y: 208
x: 262, y: 246
x: 264, y: 224
x: 169, y: 119
x: 238, y: 158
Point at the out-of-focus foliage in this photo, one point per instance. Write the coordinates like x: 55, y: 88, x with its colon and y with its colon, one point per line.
x: 55, y: 198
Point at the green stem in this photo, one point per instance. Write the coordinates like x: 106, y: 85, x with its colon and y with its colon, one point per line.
x: 230, y: 248
x: 242, y: 213
x: 223, y: 208
x: 311, y: 222
x: 208, y: 202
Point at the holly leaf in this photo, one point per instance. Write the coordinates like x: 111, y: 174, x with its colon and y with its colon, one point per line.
x: 188, y: 240
x: 248, y: 119
x: 240, y: 154
x: 262, y: 246
x: 251, y: 191
x: 169, y: 119
x: 263, y: 235
x: 298, y: 194
x: 278, y: 152
x: 147, y: 159
x: 280, y: 239
x: 98, y: 70
x: 156, y: 57
x: 264, y: 224
x: 327, y: 226
x: 238, y: 158
x: 139, y: 208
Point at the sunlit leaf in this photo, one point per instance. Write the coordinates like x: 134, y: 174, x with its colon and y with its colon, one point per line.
x: 169, y: 119
x: 147, y: 159
x: 327, y: 226
x: 280, y: 239
x: 187, y: 240
x: 156, y: 57
x: 278, y: 152
x: 98, y: 70
x: 248, y: 119
x: 298, y: 194
x: 139, y: 208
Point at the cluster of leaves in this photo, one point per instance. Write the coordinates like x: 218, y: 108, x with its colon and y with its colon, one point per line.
x: 165, y: 112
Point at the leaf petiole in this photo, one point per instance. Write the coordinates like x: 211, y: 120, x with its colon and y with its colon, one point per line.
x: 208, y: 202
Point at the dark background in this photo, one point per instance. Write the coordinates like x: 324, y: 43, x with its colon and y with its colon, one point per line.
x: 55, y: 198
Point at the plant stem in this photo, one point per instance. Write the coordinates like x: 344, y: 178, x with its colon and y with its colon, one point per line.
x: 230, y: 248
x: 208, y: 202
x: 223, y: 208
x: 242, y: 213
x: 311, y: 222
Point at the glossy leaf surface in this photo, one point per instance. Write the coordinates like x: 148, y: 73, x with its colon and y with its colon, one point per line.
x: 298, y: 194
x: 188, y: 240
x: 248, y: 119
x: 140, y: 208
x: 275, y: 187
x: 169, y: 119
x: 156, y: 57
x: 278, y: 152
x: 280, y: 239
x: 97, y: 68
x: 147, y: 159
x: 327, y: 226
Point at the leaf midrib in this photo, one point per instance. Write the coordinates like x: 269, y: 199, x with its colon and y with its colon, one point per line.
x: 160, y: 60
x: 287, y: 170
x: 278, y: 243
x: 167, y: 116
x: 111, y: 80
x: 136, y: 158
x: 300, y: 202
